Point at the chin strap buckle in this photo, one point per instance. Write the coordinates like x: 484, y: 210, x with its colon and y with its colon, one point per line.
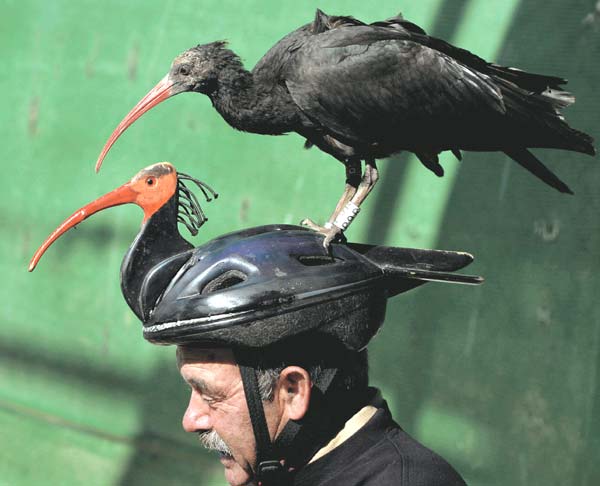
x: 271, y: 473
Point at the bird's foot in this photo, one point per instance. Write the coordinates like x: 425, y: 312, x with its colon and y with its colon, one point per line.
x: 331, y: 232
x: 309, y: 223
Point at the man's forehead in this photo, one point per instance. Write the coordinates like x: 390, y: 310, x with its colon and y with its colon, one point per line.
x: 201, y: 354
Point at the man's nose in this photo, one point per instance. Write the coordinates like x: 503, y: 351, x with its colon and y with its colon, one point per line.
x: 196, y: 417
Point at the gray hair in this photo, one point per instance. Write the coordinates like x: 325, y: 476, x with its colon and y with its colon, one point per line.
x: 352, y: 374
x: 267, y: 380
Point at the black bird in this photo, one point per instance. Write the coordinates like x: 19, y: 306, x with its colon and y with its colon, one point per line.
x: 362, y: 92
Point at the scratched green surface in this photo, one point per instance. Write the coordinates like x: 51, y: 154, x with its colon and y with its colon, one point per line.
x: 502, y: 379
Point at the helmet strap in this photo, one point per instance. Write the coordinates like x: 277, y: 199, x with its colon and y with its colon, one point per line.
x: 300, y: 439
x: 269, y: 470
x: 329, y: 410
x: 256, y: 410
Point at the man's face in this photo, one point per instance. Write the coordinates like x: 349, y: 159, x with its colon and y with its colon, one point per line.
x: 218, y: 406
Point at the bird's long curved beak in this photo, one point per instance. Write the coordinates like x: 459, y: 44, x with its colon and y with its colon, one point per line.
x: 122, y: 195
x: 160, y: 92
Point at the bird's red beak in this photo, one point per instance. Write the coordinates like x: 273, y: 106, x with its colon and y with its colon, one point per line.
x: 160, y: 92
x: 122, y: 195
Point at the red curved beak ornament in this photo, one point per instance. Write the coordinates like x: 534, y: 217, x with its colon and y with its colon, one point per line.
x: 162, y: 91
x: 150, y: 189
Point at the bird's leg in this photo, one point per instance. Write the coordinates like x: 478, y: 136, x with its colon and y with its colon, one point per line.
x: 349, y: 204
x: 367, y: 183
x: 352, y: 207
x: 353, y: 179
x: 352, y: 182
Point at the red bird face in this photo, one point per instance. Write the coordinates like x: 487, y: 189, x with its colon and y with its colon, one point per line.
x: 150, y: 189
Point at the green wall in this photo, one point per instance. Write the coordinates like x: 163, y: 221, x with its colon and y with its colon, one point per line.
x: 501, y: 379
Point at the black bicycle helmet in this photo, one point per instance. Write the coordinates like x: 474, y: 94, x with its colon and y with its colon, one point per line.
x: 260, y: 285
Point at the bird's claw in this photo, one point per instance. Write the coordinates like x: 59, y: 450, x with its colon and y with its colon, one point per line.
x: 331, y: 233
x: 309, y: 223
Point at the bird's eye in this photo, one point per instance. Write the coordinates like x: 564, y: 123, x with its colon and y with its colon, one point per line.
x: 150, y: 181
x: 184, y: 70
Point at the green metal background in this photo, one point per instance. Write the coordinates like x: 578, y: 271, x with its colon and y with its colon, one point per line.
x: 502, y: 379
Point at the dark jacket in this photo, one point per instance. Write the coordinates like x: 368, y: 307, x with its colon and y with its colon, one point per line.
x: 381, y: 454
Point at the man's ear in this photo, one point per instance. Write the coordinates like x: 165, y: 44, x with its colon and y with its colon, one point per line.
x: 293, y: 389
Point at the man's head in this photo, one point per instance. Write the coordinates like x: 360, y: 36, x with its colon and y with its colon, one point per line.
x: 218, y: 410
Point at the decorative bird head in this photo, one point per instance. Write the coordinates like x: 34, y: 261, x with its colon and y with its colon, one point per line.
x: 152, y: 189
x: 159, y: 250
x: 196, y: 69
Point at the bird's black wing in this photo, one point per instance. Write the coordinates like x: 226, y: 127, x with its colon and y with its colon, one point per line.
x: 399, y: 23
x: 532, y: 82
x: 368, y: 85
x: 268, y: 69
x: 275, y: 59
x: 536, y: 83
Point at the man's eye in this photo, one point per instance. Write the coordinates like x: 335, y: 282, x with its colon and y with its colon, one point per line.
x: 209, y: 401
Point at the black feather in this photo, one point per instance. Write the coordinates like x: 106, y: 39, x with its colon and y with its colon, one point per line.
x: 527, y: 160
x: 432, y: 162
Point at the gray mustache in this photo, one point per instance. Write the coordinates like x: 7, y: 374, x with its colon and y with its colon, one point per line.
x: 212, y: 441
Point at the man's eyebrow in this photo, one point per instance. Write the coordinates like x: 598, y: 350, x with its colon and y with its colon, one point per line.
x: 203, y: 387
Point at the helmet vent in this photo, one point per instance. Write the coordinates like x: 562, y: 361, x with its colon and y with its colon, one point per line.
x: 316, y: 260
x: 224, y: 281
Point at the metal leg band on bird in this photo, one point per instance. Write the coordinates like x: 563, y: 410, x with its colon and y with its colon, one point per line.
x: 356, y: 190
x: 346, y: 216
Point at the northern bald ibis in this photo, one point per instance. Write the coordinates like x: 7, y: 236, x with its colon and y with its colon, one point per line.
x: 363, y: 92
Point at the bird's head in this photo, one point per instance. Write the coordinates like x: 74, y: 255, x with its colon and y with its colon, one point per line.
x: 150, y: 189
x: 197, y: 69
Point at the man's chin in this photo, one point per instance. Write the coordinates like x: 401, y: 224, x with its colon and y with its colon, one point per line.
x: 235, y: 475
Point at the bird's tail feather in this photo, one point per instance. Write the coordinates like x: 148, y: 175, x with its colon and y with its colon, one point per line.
x: 541, y: 112
x: 559, y: 98
x: 536, y: 83
x: 579, y: 141
x: 527, y: 160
